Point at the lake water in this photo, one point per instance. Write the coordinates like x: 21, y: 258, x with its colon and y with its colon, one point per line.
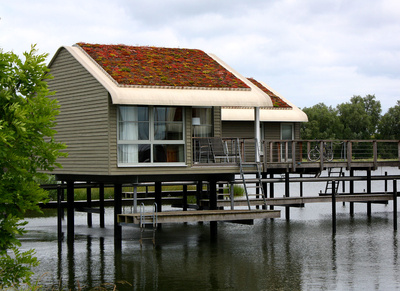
x: 300, y: 254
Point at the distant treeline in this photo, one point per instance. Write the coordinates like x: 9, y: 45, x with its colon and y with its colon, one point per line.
x: 358, y: 119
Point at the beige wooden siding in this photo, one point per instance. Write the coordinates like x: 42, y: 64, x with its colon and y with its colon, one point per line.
x: 83, y: 120
x: 272, y: 130
x: 241, y: 129
x: 113, y: 139
x: 297, y: 130
x: 217, y: 121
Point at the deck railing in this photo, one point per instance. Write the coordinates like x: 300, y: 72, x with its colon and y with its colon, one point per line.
x: 294, y: 152
x: 331, y: 151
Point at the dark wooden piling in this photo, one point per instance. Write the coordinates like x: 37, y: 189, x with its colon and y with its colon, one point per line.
x: 117, y: 210
x: 369, y: 189
x: 184, y: 197
x: 386, y: 183
x: 70, y: 211
x: 301, y: 186
x: 89, y: 205
x: 287, y: 194
x: 395, y: 205
x: 158, y: 195
x: 351, y: 189
x: 101, y: 198
x: 60, y: 211
x: 333, y: 208
x: 271, y: 191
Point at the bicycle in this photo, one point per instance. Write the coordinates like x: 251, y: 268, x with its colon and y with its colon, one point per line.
x: 315, y: 154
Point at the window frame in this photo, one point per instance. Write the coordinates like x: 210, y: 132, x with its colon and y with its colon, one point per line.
x: 151, y: 141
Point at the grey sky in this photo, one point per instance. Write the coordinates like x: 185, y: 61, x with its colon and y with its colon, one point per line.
x: 310, y: 51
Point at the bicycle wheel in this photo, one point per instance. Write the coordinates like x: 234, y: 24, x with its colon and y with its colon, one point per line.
x: 313, y: 155
x: 328, y: 155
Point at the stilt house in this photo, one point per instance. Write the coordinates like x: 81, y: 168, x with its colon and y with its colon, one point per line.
x: 134, y: 114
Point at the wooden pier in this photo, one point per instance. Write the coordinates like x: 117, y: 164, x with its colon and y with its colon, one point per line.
x: 213, y: 204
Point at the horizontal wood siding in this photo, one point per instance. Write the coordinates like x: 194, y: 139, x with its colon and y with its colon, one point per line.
x: 241, y: 129
x: 83, y: 120
x: 272, y: 131
x: 217, y: 121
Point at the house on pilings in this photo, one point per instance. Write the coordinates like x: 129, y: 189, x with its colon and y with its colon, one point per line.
x: 134, y: 114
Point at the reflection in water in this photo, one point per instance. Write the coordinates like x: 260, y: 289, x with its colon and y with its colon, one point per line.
x: 269, y: 255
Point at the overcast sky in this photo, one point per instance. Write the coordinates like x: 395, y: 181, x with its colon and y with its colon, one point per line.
x: 310, y: 51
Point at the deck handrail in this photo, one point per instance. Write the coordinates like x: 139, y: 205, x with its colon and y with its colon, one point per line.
x: 296, y: 152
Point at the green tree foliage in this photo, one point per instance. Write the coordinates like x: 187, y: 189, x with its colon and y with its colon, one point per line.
x: 389, y: 126
x: 359, y: 117
x: 323, y: 123
x: 27, y: 118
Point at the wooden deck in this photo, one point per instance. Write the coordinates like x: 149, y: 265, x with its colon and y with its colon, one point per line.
x: 202, y: 215
x: 291, y: 201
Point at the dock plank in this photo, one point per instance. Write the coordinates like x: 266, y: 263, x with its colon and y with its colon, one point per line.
x: 202, y: 215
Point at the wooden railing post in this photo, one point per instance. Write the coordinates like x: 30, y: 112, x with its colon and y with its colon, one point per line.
x: 300, y: 151
x: 321, y: 155
x: 375, y: 153
x: 293, y: 156
x: 286, y: 151
x: 398, y: 151
x: 279, y: 151
x: 271, y: 150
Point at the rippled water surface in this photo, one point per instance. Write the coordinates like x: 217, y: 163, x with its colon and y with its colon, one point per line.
x: 301, y: 254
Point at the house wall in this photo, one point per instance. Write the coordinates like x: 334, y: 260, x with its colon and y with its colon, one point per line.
x: 84, y: 117
x: 245, y: 129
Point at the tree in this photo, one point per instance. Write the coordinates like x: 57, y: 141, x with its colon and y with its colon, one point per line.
x: 359, y: 117
x: 389, y: 125
x: 27, y: 148
x: 323, y: 123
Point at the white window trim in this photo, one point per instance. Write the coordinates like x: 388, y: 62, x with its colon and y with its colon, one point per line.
x: 152, y: 142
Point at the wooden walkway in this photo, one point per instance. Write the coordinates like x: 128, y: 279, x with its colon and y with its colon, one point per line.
x: 202, y: 215
x: 292, y: 201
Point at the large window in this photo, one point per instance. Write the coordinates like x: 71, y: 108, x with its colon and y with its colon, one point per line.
x: 148, y: 135
x: 202, y: 121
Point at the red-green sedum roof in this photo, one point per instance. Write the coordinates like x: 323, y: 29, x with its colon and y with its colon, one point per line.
x: 276, y: 101
x: 154, y: 66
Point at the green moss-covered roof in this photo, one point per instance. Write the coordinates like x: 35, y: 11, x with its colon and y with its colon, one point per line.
x: 155, y: 66
x: 276, y: 101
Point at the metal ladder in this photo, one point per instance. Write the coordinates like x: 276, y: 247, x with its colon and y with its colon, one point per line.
x: 257, y: 181
x: 150, y: 219
x: 329, y: 184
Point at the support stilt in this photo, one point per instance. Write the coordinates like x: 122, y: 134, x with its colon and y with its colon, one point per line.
x: 60, y: 211
x: 369, y: 209
x: 117, y: 210
x: 287, y: 185
x: 333, y: 208
x: 89, y: 205
x: 101, y: 198
x: 395, y: 205
x: 70, y: 211
x: 351, y: 193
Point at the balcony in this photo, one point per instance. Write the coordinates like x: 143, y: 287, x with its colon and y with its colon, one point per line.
x: 293, y: 155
